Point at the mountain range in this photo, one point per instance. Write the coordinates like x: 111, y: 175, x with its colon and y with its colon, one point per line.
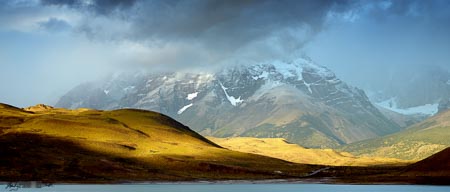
x: 297, y: 100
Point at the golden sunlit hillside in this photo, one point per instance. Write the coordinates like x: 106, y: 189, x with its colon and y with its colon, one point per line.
x: 280, y: 148
x: 45, y: 143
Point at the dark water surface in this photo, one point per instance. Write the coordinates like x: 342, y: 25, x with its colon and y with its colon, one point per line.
x: 235, y: 188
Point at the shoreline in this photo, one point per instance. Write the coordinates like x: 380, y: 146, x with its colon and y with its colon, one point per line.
x: 323, y: 180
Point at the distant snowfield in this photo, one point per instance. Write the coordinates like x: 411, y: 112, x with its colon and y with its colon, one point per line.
x: 428, y: 109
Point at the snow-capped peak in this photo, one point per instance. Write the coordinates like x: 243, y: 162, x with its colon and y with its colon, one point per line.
x: 309, y: 67
x: 291, y: 69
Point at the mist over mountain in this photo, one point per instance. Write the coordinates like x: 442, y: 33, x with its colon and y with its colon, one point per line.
x: 419, y: 90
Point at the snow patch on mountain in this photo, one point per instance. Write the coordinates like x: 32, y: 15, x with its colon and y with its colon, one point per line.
x: 191, y: 96
x: 263, y: 75
x: 232, y: 99
x: 308, y: 85
x: 427, y: 109
x: 106, y: 91
x: 184, y: 108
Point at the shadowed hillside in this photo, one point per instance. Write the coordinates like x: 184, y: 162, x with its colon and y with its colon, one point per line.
x: 435, y: 165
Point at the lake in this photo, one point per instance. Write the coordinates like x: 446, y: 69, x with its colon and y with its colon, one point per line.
x: 235, y: 188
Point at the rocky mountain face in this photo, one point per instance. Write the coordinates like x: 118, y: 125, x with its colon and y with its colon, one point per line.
x: 299, y: 101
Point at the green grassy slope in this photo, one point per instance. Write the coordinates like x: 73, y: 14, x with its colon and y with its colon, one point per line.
x: 83, y: 145
x: 414, y: 143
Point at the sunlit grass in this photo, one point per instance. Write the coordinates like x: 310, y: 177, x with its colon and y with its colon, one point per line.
x: 146, y: 138
x: 279, y: 148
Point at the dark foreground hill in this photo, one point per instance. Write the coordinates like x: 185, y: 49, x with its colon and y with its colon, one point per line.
x: 432, y: 170
x: 435, y: 165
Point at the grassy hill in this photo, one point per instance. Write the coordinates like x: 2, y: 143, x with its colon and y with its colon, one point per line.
x: 84, y: 145
x: 280, y: 148
x: 414, y: 143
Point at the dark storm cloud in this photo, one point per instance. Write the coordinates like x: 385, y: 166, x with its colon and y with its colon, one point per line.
x: 191, y: 32
x: 237, y: 19
x: 99, y: 6
x: 223, y: 27
x: 216, y: 23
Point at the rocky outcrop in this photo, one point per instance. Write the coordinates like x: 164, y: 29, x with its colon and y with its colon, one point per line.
x: 39, y: 107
